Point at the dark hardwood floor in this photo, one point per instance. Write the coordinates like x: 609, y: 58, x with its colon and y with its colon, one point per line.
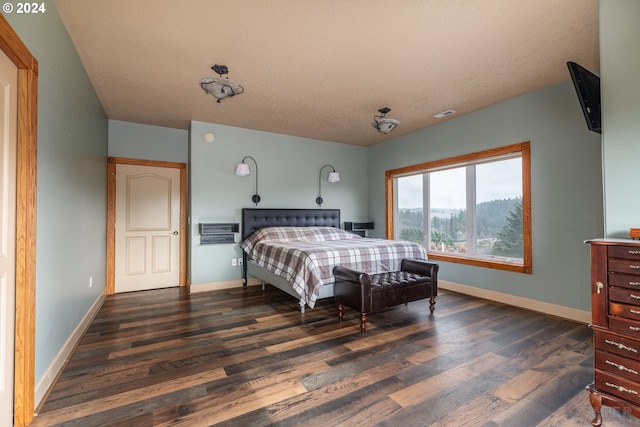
x: 247, y: 357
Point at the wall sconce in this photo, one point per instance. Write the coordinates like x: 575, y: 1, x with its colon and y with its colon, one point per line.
x: 333, y: 177
x: 384, y: 124
x: 242, y: 169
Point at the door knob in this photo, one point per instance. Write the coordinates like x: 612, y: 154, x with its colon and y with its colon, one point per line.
x: 175, y: 233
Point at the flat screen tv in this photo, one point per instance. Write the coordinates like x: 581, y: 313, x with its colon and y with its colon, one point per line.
x: 587, y: 87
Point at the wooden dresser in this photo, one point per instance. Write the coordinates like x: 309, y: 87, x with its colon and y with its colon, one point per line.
x: 615, y: 312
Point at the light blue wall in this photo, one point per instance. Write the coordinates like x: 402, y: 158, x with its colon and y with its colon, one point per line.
x: 288, y: 169
x: 138, y: 141
x: 71, y: 195
x: 620, y: 84
x: 566, y: 187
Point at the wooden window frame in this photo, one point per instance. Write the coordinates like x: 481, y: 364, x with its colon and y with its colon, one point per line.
x: 524, y: 149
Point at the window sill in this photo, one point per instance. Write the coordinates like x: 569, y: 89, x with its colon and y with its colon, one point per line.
x: 477, y: 262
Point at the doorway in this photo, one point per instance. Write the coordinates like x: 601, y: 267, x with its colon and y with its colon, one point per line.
x: 25, y: 238
x: 146, y: 245
x: 8, y: 123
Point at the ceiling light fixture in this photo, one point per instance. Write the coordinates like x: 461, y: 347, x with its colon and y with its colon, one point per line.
x: 220, y: 87
x: 384, y: 124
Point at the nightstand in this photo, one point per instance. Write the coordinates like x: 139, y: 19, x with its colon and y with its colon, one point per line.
x: 359, y: 227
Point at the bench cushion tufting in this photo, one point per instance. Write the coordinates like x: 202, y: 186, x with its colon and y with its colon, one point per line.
x: 397, y: 278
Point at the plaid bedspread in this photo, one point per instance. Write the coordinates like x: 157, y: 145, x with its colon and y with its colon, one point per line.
x: 305, y: 258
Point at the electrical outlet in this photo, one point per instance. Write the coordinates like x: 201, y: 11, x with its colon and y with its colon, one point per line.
x: 234, y: 262
x: 239, y: 261
x: 90, y: 281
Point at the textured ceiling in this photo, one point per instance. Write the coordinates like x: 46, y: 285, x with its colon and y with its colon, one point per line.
x: 322, y: 68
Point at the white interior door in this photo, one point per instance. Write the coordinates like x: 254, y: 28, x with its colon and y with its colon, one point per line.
x: 147, y: 241
x: 8, y: 125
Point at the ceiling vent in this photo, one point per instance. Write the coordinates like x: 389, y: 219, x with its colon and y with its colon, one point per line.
x: 444, y: 114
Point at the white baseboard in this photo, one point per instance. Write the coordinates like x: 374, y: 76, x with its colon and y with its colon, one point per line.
x: 42, y: 388
x: 214, y: 286
x: 530, y: 304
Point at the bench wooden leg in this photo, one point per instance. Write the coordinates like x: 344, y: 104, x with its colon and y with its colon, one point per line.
x: 363, y: 322
x: 432, y: 304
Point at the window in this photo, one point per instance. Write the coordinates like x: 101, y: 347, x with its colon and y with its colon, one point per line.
x: 472, y: 209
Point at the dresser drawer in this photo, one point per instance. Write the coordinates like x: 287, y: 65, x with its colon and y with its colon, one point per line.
x: 623, y: 346
x: 625, y: 295
x: 615, y: 321
x: 629, y: 311
x: 628, y: 252
x: 618, y: 365
x: 627, y: 326
x: 624, y: 280
x: 617, y: 386
x: 629, y: 266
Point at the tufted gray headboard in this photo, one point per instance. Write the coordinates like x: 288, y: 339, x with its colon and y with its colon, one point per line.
x: 255, y: 219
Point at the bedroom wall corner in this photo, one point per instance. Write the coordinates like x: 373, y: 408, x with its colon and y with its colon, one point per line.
x: 620, y: 60
x: 566, y: 188
x: 71, y: 188
x: 288, y: 169
x: 147, y: 142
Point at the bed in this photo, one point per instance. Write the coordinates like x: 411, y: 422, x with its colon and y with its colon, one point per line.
x: 295, y: 250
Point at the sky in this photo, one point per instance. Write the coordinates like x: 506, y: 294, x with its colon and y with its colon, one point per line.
x: 496, y: 180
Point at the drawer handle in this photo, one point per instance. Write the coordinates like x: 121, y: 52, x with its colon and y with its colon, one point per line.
x: 621, y: 367
x: 632, y: 311
x: 599, y: 286
x: 634, y: 283
x: 633, y: 252
x: 620, y: 346
x: 634, y: 296
x: 620, y: 388
x: 634, y: 328
x: 634, y: 267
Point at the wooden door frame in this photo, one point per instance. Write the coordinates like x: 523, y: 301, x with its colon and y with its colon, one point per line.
x: 26, y: 162
x: 111, y: 215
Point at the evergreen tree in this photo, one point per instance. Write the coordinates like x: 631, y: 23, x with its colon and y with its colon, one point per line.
x: 438, y: 238
x: 412, y: 234
x: 509, y: 243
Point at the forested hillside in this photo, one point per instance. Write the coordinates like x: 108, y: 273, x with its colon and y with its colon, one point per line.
x: 498, y: 227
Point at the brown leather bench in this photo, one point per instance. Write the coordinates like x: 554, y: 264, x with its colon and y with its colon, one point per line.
x: 367, y: 293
